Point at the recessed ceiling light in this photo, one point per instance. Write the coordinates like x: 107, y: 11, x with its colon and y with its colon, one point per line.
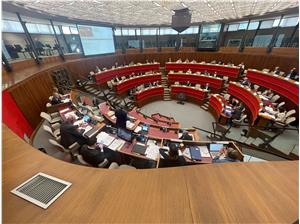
x: 155, y: 3
x: 184, y: 5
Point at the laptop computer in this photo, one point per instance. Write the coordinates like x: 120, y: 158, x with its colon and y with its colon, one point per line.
x: 125, y: 134
x: 139, y: 148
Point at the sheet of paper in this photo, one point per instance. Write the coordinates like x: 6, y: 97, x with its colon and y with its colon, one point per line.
x: 64, y: 110
x: 110, y: 113
x: 105, y: 138
x: 152, y: 152
x: 117, y: 144
x: 187, y: 153
x: 204, y: 151
x: 113, y: 117
x: 129, y: 124
x: 137, y: 129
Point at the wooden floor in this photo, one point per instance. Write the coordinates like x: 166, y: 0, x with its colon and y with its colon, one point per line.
x: 238, y: 192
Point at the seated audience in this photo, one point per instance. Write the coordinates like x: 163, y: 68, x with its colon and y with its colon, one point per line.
x: 56, y: 99
x: 186, y: 136
x: 231, y: 155
x: 188, y: 83
x: 293, y: 74
x: 189, y: 71
x: 179, y: 60
x: 172, y: 158
x: 276, y: 71
x: 245, y: 82
x: 269, y: 94
x: 70, y: 134
x: 237, y: 113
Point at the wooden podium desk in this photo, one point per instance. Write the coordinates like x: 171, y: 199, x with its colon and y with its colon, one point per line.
x: 222, y: 70
x: 107, y: 75
x: 264, y: 192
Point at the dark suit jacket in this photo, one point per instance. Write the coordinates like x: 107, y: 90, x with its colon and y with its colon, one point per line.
x: 69, y: 134
x: 55, y: 100
x: 236, y: 114
x: 92, y: 156
x: 121, y: 116
x: 167, y: 162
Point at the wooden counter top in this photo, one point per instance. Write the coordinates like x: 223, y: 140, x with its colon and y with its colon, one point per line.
x: 235, y: 192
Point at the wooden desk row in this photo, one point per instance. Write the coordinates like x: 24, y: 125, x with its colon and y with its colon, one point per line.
x: 110, y: 196
x: 148, y: 95
x: 223, y: 70
x: 104, y: 76
x: 216, y: 107
x: 215, y: 83
x: 123, y: 86
x: 250, y: 99
x: 192, y: 94
x: 283, y: 86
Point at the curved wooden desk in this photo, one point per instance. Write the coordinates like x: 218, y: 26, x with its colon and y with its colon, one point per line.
x: 223, y: 70
x: 237, y: 192
x: 283, y: 86
x: 148, y: 95
x: 250, y: 99
x: 216, y: 108
x: 104, y: 76
x: 215, y: 83
x: 124, y: 85
x: 193, y: 94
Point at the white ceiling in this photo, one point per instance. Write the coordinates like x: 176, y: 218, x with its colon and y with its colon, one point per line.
x: 145, y: 12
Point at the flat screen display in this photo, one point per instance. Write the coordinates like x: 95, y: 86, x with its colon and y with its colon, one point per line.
x: 96, y: 40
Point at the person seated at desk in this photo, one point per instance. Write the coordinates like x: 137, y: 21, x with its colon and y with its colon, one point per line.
x: 56, y: 99
x: 172, y: 158
x: 293, y: 74
x: 280, y: 116
x: 207, y: 87
x: 121, y: 116
x: 69, y: 133
x: 245, y: 82
x: 179, y: 60
x: 215, y: 74
x: 269, y: 94
x: 188, y: 83
x: 155, y: 84
x: 185, y: 136
x: 242, y: 68
x: 193, y: 61
x: 206, y: 73
x: 233, y: 102
x: 230, y: 155
x: 186, y: 61
x: 96, y: 155
x: 189, y: 71
x: 276, y: 71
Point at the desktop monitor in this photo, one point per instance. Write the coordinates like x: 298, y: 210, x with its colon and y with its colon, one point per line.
x: 215, y: 147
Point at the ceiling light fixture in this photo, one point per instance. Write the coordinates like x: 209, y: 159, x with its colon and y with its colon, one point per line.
x: 184, y: 5
x: 155, y: 3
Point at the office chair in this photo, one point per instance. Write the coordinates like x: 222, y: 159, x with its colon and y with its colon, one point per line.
x: 55, y: 134
x: 53, y: 121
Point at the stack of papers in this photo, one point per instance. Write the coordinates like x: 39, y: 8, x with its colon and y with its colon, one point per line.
x: 129, y: 124
x: 110, y: 113
x: 152, y: 152
x: 137, y: 129
x: 204, y: 151
x: 104, y: 138
x: 117, y: 144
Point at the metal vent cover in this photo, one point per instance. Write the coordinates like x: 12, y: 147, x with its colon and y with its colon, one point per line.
x: 41, y: 189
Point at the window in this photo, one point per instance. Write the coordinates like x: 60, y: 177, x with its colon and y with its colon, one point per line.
x: 233, y: 27
x: 138, y: 31
x: 291, y: 21
x: 39, y: 28
x: 211, y: 28
x: 267, y: 24
x: 253, y: 25
x: 73, y: 30
x: 234, y: 43
x: 167, y: 31
x: 149, y: 31
x: 57, y: 30
x: 276, y: 22
x: 243, y: 26
x: 262, y: 40
x: 66, y: 30
x: 191, y: 30
x: 12, y: 26
x: 279, y: 40
x: 118, y: 32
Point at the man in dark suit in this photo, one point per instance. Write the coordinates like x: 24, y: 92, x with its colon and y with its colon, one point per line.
x: 236, y: 113
x: 69, y: 133
x: 172, y: 158
x: 186, y: 136
x: 55, y: 99
x: 121, y: 116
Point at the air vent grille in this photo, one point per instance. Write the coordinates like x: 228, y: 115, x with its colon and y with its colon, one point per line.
x: 41, y: 189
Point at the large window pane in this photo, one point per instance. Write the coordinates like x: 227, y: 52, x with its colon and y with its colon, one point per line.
x: 243, y: 26
x: 267, y: 24
x: 233, y: 27
x: 167, y: 31
x: 253, y: 25
x: 262, y: 40
x: 12, y: 26
x: 118, y: 32
x: 66, y: 30
x: 149, y: 31
x: 210, y: 28
x: 286, y: 22
x: 73, y: 30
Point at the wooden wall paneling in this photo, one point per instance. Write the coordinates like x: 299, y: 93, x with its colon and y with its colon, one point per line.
x: 32, y: 95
